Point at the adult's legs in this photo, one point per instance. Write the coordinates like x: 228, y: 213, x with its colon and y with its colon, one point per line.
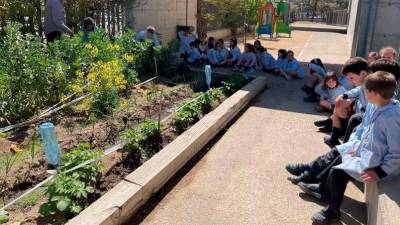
x: 51, y: 37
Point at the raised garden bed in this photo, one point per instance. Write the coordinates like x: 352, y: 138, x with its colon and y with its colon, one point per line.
x: 135, y: 122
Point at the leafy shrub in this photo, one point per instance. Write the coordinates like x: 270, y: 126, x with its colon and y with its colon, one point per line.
x: 233, y: 84
x: 204, y: 102
x: 68, y: 193
x: 143, y: 141
x: 188, y: 114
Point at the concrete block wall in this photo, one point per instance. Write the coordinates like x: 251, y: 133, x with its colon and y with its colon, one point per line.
x: 165, y: 15
x: 386, y: 29
x: 373, y: 24
x: 383, y: 203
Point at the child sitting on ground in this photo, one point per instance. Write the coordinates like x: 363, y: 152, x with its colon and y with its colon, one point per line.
x: 293, y: 69
x: 219, y: 55
x: 280, y: 63
x: 376, y: 158
x: 267, y: 62
x: 317, y: 74
x: 332, y: 89
x: 248, y: 61
x: 234, y: 53
x: 194, y: 55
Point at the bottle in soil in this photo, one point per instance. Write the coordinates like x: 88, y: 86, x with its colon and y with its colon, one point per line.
x: 208, y: 73
x: 50, y: 143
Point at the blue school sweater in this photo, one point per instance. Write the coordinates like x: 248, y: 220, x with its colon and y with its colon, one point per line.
x: 331, y: 94
x: 294, y: 66
x: 194, y: 55
x: 280, y: 63
x: 221, y: 56
x: 235, y: 52
x: 379, y: 146
x: 185, y: 42
x: 318, y: 69
x: 267, y: 61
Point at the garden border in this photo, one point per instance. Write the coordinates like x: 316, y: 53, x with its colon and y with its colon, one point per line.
x: 119, y: 204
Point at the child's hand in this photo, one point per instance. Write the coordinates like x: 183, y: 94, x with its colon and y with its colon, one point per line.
x: 369, y: 176
x: 353, y: 153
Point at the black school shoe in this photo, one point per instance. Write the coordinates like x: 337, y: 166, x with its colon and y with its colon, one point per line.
x: 330, y: 142
x: 297, y: 169
x: 321, y: 123
x: 305, y: 177
x: 326, y: 216
x: 312, y: 190
x: 311, y: 98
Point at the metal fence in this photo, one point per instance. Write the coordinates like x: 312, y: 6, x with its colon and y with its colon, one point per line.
x: 339, y: 18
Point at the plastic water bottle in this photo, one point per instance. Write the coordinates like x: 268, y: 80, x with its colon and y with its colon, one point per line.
x: 208, y: 73
x: 50, y: 143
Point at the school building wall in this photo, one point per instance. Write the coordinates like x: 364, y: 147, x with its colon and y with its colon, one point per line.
x: 373, y: 25
x: 164, y: 15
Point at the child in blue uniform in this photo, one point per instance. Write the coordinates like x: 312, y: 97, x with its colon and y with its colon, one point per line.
x: 218, y: 57
x: 234, y: 53
x: 185, y: 38
x: 281, y: 61
x: 332, y: 90
x: 267, y: 62
x: 293, y: 69
x: 248, y: 61
x: 194, y: 55
x: 376, y: 158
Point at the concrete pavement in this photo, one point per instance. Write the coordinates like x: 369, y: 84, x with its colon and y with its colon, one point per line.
x: 241, y: 179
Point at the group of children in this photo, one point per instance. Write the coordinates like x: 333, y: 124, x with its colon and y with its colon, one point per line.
x: 369, y: 117
x: 195, y: 52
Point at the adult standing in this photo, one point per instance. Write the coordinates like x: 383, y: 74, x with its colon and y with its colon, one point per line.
x: 148, y: 34
x: 55, y: 20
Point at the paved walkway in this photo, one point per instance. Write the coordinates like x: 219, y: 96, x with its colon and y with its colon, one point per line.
x: 310, y: 26
x: 241, y: 180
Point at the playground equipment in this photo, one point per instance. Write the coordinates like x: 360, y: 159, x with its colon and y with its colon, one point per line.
x: 271, y: 19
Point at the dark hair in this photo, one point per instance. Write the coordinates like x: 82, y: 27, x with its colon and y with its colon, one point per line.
x: 257, y: 42
x: 218, y: 44
x: 260, y: 49
x: 355, y: 65
x: 211, y: 39
x: 330, y: 76
x: 387, y: 66
x: 197, y: 42
x: 88, y: 21
x: 234, y: 41
x: 211, y: 45
x: 381, y: 82
x: 192, y: 44
x: 250, y: 47
x: 289, y: 52
x: 318, y: 61
x: 221, y: 41
x: 283, y: 53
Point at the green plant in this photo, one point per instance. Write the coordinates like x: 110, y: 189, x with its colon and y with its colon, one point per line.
x: 188, y: 113
x: 143, y: 141
x: 204, y: 102
x: 68, y: 193
x: 233, y: 84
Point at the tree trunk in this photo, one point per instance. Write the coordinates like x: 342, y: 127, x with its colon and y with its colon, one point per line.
x: 314, y: 10
x: 38, y: 6
x: 109, y: 17
x: 113, y: 24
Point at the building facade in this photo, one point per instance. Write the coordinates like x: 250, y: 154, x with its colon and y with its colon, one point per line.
x: 164, y: 15
x: 373, y: 24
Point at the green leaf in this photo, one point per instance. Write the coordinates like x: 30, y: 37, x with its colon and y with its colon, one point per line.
x: 90, y: 189
x: 63, y: 204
